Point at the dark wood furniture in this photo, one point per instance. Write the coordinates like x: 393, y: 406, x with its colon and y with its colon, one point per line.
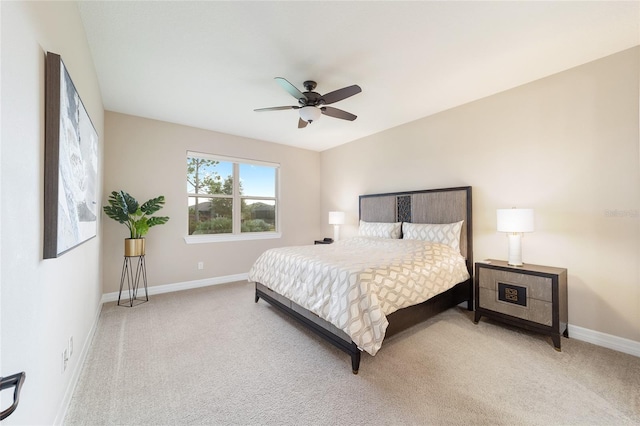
x: 446, y: 205
x: 533, y: 297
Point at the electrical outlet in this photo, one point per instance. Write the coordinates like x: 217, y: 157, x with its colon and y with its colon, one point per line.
x: 65, y: 359
x: 70, y: 346
x: 200, y: 265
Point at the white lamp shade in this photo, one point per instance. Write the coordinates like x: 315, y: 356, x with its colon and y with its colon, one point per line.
x: 336, y: 218
x: 310, y: 113
x: 515, y: 220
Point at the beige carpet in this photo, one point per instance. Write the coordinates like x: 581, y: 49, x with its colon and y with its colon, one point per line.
x: 213, y: 356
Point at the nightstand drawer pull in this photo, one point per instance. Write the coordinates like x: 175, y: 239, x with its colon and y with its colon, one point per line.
x: 512, y: 294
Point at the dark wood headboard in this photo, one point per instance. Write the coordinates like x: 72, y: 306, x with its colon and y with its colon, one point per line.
x: 445, y: 205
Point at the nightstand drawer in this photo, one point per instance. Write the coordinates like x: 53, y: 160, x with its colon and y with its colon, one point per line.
x: 528, y: 297
x: 537, y: 287
x: 535, y: 310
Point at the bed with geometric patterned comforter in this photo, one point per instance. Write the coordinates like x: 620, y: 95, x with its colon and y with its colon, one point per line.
x: 354, y: 293
x: 355, y: 283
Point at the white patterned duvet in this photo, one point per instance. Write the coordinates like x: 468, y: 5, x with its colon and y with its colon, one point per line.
x: 355, y: 283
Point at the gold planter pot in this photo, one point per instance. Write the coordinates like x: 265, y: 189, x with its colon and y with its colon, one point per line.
x: 134, y: 247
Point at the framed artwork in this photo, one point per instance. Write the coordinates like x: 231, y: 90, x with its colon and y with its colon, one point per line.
x: 70, y: 164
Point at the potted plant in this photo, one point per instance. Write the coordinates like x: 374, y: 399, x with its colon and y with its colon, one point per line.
x: 123, y: 208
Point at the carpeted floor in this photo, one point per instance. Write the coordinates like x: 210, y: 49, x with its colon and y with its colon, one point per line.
x: 213, y: 356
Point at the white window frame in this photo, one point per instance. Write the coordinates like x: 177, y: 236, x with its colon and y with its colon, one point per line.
x: 237, y: 235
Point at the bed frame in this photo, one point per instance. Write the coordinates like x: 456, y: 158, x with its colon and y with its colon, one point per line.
x: 445, y: 205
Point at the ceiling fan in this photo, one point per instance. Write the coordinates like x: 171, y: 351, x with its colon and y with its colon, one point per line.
x: 312, y: 104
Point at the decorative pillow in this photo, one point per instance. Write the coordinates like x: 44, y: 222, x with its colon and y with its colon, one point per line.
x: 445, y: 233
x: 379, y: 229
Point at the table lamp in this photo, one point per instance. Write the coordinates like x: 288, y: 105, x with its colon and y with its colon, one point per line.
x: 514, y: 222
x: 336, y: 219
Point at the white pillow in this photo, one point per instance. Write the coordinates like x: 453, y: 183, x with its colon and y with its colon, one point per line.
x: 379, y: 229
x: 445, y: 233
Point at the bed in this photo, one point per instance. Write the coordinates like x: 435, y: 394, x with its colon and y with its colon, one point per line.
x: 358, y: 291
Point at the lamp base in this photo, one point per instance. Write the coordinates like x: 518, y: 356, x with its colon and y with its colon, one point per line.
x: 515, y: 249
x: 336, y: 232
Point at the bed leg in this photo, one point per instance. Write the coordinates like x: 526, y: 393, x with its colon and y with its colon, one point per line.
x: 257, y: 297
x: 355, y: 362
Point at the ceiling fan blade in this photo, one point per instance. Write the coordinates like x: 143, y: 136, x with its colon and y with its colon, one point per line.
x: 340, y: 94
x: 290, y: 88
x: 301, y: 123
x: 338, y: 113
x: 276, y: 108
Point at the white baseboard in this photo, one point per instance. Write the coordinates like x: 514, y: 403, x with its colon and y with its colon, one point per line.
x: 616, y: 343
x: 186, y: 285
x: 77, y: 369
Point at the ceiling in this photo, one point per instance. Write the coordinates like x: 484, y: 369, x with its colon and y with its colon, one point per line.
x: 209, y: 64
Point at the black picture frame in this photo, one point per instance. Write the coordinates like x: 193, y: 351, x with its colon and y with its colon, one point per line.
x: 70, y: 164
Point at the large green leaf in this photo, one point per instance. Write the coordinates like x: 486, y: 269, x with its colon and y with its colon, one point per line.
x: 117, y: 209
x: 157, y: 220
x: 130, y: 203
x: 142, y: 227
x: 153, y: 205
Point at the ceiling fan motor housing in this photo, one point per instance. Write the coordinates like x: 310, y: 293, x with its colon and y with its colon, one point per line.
x: 311, y: 99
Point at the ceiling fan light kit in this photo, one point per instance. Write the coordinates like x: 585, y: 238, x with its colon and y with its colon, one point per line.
x: 312, y: 104
x: 310, y: 114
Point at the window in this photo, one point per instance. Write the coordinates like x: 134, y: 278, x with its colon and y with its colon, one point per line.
x: 231, y: 199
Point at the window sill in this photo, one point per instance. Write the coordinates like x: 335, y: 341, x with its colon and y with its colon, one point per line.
x: 220, y: 238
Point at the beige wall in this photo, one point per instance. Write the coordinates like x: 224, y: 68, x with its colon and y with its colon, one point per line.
x: 566, y: 145
x: 147, y: 158
x: 44, y: 302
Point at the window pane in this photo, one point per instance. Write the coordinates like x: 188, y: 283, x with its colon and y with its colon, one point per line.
x: 209, y: 176
x: 258, y: 215
x: 210, y: 215
x: 257, y: 181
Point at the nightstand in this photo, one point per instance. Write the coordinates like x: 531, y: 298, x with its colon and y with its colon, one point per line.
x: 533, y: 297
